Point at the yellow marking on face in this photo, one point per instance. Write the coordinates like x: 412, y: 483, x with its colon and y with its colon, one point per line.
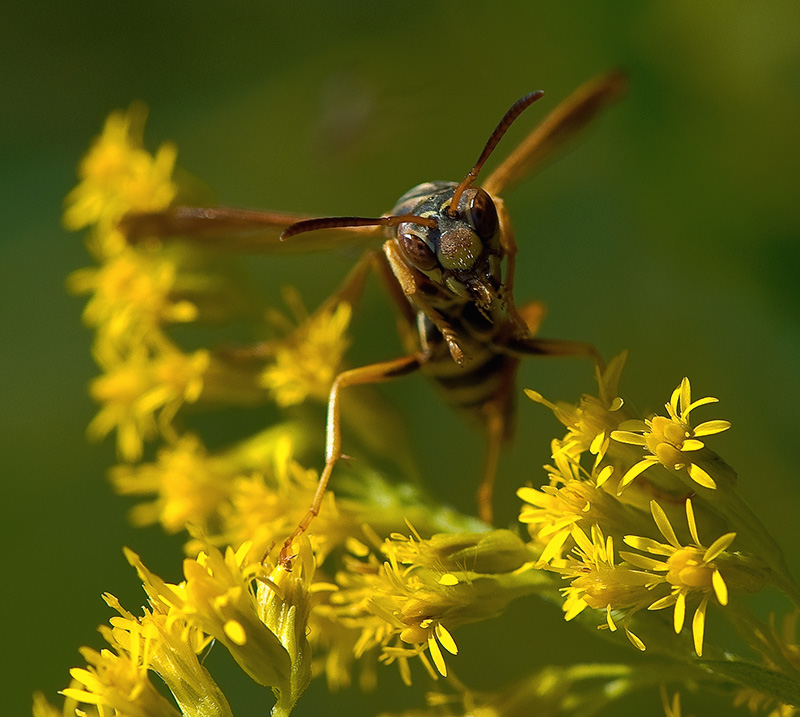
x: 456, y: 287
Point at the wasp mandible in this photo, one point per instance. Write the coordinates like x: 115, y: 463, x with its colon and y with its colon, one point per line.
x: 444, y: 247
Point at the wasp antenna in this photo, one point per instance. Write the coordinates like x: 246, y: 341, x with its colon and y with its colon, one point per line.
x: 502, y: 127
x: 311, y: 225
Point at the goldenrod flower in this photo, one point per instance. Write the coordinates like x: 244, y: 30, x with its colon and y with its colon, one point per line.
x: 173, y: 646
x: 573, y: 499
x: 672, y: 441
x: 132, y: 297
x: 688, y: 570
x: 284, y: 604
x: 217, y: 597
x: 361, y: 592
x: 191, y: 486
x: 119, y: 176
x: 406, y: 606
x: 141, y: 393
x: 118, y: 681
x: 267, y: 504
x: 598, y: 582
x: 306, y: 362
x: 595, y: 417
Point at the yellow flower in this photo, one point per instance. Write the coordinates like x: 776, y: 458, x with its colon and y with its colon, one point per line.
x: 688, y: 570
x: 140, y: 395
x: 268, y: 501
x: 598, y: 582
x: 217, y: 597
x: 386, y: 608
x: 405, y: 606
x: 131, y: 297
x: 119, y: 682
x: 191, y: 486
x: 672, y: 441
x: 307, y: 361
x: 118, y: 176
x: 173, y: 646
x: 573, y: 498
x: 593, y: 419
x: 284, y: 604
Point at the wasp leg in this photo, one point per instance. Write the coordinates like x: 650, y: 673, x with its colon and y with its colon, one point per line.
x: 533, y: 313
x: 496, y: 431
x: 408, y: 280
x: 407, y: 314
x: 349, y: 291
x: 508, y: 244
x: 352, y: 286
x: 530, y: 346
x: 498, y: 420
x: 374, y: 373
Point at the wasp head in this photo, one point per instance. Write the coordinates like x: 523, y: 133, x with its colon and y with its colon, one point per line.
x: 460, y: 251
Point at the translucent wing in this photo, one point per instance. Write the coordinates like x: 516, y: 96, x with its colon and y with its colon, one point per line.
x: 557, y: 129
x: 241, y: 230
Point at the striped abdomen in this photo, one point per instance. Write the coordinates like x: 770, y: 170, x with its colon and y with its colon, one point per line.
x: 486, y: 376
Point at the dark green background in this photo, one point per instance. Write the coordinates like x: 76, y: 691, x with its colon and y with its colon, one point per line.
x: 671, y: 231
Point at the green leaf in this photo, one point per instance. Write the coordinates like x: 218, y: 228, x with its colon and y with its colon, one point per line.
x: 759, y: 678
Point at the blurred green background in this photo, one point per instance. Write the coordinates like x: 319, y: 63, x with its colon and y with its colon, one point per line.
x: 672, y: 231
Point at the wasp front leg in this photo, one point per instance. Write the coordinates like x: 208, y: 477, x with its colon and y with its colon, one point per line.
x: 375, y: 373
x: 410, y: 283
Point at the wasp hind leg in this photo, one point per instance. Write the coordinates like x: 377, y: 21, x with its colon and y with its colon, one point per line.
x: 496, y: 427
x: 374, y: 373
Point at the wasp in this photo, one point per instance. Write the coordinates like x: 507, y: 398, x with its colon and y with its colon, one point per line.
x: 447, y: 261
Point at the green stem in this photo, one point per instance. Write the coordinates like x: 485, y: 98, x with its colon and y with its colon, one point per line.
x: 759, y: 637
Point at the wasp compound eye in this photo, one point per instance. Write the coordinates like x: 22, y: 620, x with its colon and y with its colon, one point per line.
x: 482, y: 214
x: 417, y: 250
x: 459, y: 248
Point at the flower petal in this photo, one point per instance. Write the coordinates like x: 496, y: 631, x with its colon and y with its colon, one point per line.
x: 720, y: 588
x: 436, y: 655
x: 663, y: 524
x: 679, y: 615
x: 718, y: 546
x: 635, y: 470
x: 698, y: 475
x: 711, y: 427
x: 690, y: 519
x: 699, y: 626
x: 635, y: 439
x: 446, y: 639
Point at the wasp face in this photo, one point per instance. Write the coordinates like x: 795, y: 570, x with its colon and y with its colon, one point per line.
x: 462, y: 253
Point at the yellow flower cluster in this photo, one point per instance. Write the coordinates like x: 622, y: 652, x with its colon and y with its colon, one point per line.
x: 638, y: 518
x: 593, y: 505
x: 401, y: 603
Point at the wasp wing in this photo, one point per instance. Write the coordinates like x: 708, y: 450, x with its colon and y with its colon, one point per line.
x: 241, y: 230
x: 557, y: 129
